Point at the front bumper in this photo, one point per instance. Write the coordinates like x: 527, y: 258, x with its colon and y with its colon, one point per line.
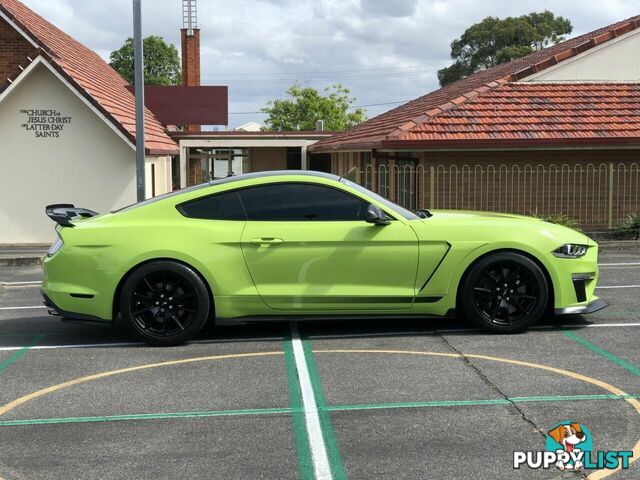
x: 590, y: 307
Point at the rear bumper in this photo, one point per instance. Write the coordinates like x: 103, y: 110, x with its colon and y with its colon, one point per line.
x: 593, y: 306
x: 53, y: 309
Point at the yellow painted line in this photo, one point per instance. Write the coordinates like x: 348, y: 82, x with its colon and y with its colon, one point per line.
x: 567, y: 373
x: 54, y: 388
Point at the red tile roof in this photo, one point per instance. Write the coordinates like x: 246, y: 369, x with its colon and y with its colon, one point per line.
x: 91, y: 75
x: 403, y: 124
x: 534, y: 111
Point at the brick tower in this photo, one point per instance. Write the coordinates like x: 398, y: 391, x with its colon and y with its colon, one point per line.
x: 190, y: 42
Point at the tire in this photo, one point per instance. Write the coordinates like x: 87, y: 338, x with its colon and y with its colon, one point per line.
x: 504, y: 292
x: 164, y: 303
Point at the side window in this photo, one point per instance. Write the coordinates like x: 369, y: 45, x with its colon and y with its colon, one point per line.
x: 223, y: 206
x: 299, y: 202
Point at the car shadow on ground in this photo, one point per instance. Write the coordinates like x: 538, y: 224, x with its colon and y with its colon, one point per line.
x: 67, y: 332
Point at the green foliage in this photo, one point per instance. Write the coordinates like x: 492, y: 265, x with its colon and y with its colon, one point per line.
x: 494, y: 41
x: 161, y: 62
x: 306, y: 106
x: 557, y: 218
x: 630, y: 226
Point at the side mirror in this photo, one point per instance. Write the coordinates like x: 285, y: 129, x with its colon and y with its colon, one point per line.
x: 376, y: 216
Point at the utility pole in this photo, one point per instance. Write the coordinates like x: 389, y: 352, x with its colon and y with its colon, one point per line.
x: 139, y: 92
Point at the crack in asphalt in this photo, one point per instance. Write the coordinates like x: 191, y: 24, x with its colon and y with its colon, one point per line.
x: 494, y: 387
x: 490, y: 384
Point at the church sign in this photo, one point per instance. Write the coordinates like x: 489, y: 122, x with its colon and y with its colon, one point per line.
x: 45, y: 123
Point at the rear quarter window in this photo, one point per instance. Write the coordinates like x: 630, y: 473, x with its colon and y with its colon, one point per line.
x: 222, y: 206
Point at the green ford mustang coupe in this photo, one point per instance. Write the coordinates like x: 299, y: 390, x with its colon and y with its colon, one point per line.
x: 279, y: 245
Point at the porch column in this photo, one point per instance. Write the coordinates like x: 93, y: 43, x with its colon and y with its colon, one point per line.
x: 304, y: 160
x: 183, y: 166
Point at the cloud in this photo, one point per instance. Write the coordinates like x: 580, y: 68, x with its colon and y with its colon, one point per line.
x: 385, y: 8
x: 383, y: 50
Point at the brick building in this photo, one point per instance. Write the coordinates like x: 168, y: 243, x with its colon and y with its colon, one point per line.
x: 557, y: 131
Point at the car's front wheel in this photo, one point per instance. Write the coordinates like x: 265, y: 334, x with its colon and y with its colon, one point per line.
x: 504, y: 292
x: 164, y: 303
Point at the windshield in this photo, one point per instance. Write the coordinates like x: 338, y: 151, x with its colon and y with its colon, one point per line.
x: 393, y: 206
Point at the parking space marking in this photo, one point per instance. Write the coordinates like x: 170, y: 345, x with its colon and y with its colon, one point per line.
x: 145, y: 416
x: 479, y: 402
x: 317, y: 445
x: 31, y: 307
x: 625, y: 264
x: 20, y: 352
x: 461, y: 330
x: 298, y: 410
x: 601, y: 351
x: 19, y: 284
x: 617, y: 286
x: 140, y: 344
x: 303, y: 452
x: 597, y: 475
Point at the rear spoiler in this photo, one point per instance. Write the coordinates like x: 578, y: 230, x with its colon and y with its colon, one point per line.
x: 63, y: 213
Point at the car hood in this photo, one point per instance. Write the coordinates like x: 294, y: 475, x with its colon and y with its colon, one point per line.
x: 494, y: 226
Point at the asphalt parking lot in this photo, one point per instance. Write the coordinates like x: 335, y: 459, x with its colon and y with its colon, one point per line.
x: 360, y: 400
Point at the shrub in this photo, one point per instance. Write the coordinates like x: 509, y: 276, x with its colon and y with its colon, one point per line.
x: 558, y: 219
x: 630, y: 226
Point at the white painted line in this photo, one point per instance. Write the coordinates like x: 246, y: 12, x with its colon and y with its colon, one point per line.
x: 319, y: 455
x: 31, y: 307
x: 463, y: 330
x: 136, y: 344
x: 617, y: 286
x: 14, y: 284
x: 629, y: 264
x: 86, y: 345
x: 596, y: 325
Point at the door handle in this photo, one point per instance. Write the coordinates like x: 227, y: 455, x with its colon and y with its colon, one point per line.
x: 266, y: 241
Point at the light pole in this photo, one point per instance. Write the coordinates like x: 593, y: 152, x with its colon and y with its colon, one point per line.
x: 139, y: 92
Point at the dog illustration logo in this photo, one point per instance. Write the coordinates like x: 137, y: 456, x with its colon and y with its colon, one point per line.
x: 569, y: 446
x: 569, y: 437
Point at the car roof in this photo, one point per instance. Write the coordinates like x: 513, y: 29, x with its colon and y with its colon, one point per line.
x: 274, y: 173
x: 231, y: 179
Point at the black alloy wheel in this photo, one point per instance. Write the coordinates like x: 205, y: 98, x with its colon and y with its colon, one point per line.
x: 505, y: 292
x: 164, y: 303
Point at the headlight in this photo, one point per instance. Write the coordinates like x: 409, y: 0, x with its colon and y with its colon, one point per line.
x: 570, y: 250
x: 57, y: 245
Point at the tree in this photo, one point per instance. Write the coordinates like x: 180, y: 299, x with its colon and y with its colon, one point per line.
x: 306, y: 106
x: 161, y: 62
x: 494, y: 41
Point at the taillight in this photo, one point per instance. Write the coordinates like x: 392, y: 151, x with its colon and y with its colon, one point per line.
x: 57, y: 245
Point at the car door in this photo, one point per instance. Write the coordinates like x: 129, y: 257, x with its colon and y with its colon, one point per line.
x: 308, y: 248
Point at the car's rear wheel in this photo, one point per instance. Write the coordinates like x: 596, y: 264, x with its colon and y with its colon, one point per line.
x: 164, y: 303
x: 504, y: 292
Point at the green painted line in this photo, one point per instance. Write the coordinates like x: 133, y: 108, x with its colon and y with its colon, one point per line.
x: 297, y: 411
x: 333, y: 451
x: 601, y: 351
x: 301, y: 435
x: 146, y: 416
x: 20, y: 353
x: 464, y: 403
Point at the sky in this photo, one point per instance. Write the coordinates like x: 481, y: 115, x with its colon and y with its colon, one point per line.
x: 385, y: 51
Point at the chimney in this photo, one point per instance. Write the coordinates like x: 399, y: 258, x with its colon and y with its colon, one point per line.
x: 190, y: 42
